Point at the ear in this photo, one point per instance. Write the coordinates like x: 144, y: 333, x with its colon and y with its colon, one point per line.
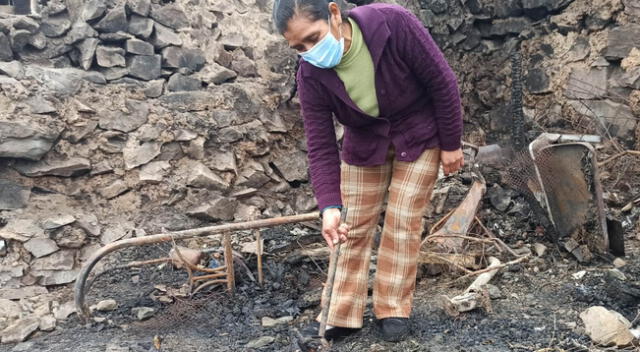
x: 336, y: 15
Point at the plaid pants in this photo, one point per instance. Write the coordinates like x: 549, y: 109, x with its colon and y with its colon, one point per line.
x: 409, y: 186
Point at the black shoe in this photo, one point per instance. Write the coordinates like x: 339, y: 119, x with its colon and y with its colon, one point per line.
x: 311, y: 331
x: 394, y: 329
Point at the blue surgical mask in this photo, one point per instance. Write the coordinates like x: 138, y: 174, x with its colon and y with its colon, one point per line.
x: 327, y: 53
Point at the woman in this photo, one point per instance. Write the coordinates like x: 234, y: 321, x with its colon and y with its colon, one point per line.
x: 379, y: 72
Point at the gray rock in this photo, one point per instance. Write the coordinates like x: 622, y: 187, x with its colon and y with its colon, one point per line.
x: 92, y: 9
x: 23, y: 292
x: 58, y: 221
x: 114, y: 73
x: 243, y: 65
x: 13, y: 69
x: 23, y: 141
x: 112, y: 234
x: 632, y: 7
x: 232, y: 41
x: 6, y: 53
x: 114, y: 189
x: 115, y: 38
x: 631, y: 78
x: 252, y: 176
x: 13, y: 195
x: 175, y: 57
x: 499, y: 198
x: 537, y: 82
x: 154, y: 172
x: 89, y: 223
x: 39, y: 105
x: 110, y: 56
x: 9, y: 310
x: 40, y: 247
x: 618, y: 117
x: 164, y: 36
x: 494, y: 291
x: 201, y: 176
x: 170, y: 15
x: 140, y: 7
x: 293, y: 166
x: 26, y: 23
x: 21, y: 230
x: 60, y: 260
x: 189, y: 101
x: 24, y: 347
x: 184, y: 135
x: 587, y: 84
x: 107, y: 305
x: 55, y: 26
x: 143, y: 313
x: 64, y: 168
x: 218, y: 209
x: 145, y: 67
x: 178, y: 83
x: 114, y: 21
x: 70, y: 237
x: 149, y: 133
x: 506, y: 26
x: 19, y: 39
x: 224, y: 161
x: 268, y: 322
x: 140, y: 26
x: 47, y: 323
x: 154, y: 88
x: 87, y: 49
x: 20, y: 330
x: 136, y: 154
x: 3, y: 247
x: 214, y: 73
x: 195, y: 149
x: 139, y: 47
x: 621, y: 40
x: 79, y: 31
x: 260, y: 342
x: 138, y: 112
x: 38, y: 41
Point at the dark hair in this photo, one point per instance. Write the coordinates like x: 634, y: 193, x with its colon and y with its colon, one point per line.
x: 284, y: 10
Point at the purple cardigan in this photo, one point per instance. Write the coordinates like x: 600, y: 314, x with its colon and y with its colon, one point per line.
x: 418, y: 98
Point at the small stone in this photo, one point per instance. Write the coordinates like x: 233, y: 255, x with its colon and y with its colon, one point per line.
x: 141, y: 27
x: 579, y: 275
x: 606, y: 327
x: 494, y: 291
x: 140, y: 7
x: 214, y: 73
x: 539, y: 249
x: 47, y: 323
x: 136, y: 154
x: 112, y: 234
x: 220, y: 208
x: 40, y: 247
x: 110, y: 56
x: 137, y: 115
x: 58, y: 221
x: 143, y: 313
x: 179, y: 83
x: 87, y: 48
x: 268, y: 322
x: 621, y: 40
x: 79, y: 31
x: 175, y: 57
x: 170, y: 15
x: 114, y: 21
x: 24, y: 347
x: 6, y: 53
x: 260, y: 342
x: 113, y: 190
x: 164, y: 36
x: 154, y: 171
x: 107, y: 305
x: 538, y: 82
x: 89, y: 223
x: 619, y: 263
x: 232, y: 41
x: 64, y: 310
x: 3, y: 247
x: 195, y: 149
x: 115, y: 38
x: 92, y: 9
x: 20, y: 330
x: 293, y: 166
x: 60, y: 260
x: 201, y: 176
x: 616, y: 274
x: 21, y: 230
x: 587, y: 83
x: 145, y: 67
x: 13, y: 195
x: 71, y: 237
x: 154, y: 88
x: 13, y: 69
x: 55, y: 26
x: 139, y: 47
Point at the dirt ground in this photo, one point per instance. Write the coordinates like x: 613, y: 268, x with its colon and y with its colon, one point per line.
x: 538, y: 307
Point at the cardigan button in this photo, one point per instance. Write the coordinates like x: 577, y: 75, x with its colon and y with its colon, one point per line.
x: 403, y: 154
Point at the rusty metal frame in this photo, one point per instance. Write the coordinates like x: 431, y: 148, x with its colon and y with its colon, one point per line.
x: 81, y: 286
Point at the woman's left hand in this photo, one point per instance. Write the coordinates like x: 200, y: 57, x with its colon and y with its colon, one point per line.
x: 451, y: 161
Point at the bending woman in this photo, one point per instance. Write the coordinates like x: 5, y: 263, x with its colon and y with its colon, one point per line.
x: 379, y: 72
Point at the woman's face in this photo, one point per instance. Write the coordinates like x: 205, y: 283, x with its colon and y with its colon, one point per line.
x: 303, y: 33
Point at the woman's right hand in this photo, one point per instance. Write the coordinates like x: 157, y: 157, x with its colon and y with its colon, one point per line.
x: 332, y: 230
